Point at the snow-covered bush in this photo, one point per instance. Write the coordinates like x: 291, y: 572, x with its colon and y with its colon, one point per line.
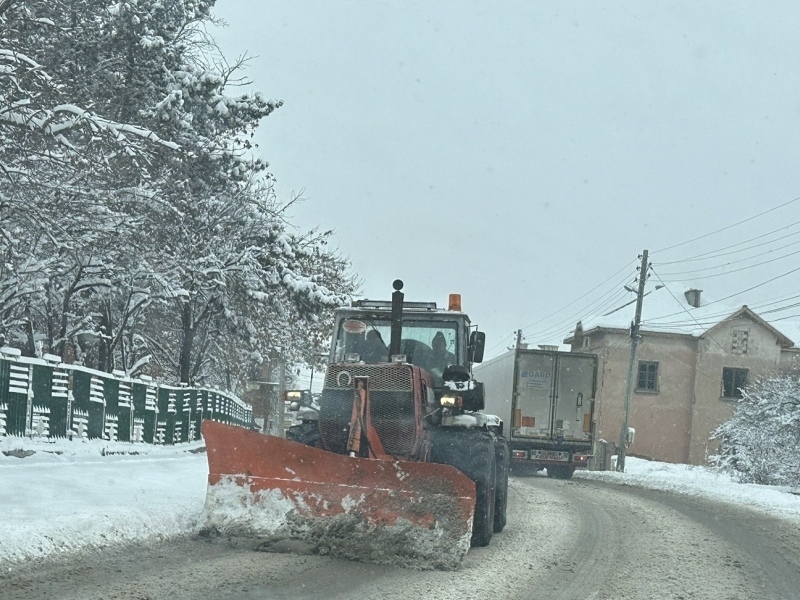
x: 761, y: 443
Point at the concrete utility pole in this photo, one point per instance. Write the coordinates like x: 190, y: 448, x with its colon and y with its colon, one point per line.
x: 519, y: 338
x: 623, y: 434
x: 281, y: 390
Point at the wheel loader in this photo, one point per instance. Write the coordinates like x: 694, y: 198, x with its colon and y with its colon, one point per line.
x: 403, y: 468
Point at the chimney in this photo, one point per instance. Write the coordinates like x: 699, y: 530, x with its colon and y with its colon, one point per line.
x: 693, y: 297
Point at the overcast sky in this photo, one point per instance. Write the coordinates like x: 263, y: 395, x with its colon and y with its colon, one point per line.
x: 521, y: 153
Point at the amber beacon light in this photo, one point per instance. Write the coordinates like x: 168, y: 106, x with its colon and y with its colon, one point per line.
x: 454, y: 303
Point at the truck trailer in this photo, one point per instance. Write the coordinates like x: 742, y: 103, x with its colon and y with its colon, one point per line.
x: 546, y: 401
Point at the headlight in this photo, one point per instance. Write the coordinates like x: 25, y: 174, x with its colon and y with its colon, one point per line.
x: 450, y: 401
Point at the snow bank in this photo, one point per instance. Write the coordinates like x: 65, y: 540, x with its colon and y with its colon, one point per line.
x: 703, y: 482
x: 80, y: 499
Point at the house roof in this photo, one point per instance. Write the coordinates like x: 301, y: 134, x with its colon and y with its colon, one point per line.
x: 666, y: 310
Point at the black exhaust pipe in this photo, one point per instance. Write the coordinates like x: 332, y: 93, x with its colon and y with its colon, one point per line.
x: 397, y: 318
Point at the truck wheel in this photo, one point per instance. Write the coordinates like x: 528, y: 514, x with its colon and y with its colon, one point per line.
x: 503, y: 466
x: 305, y: 433
x: 560, y: 472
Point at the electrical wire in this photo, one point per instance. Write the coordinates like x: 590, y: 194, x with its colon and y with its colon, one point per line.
x: 732, y: 270
x: 695, y: 320
x: 598, y: 305
x: 761, y: 214
x: 732, y: 262
x: 725, y: 313
x: 587, y: 312
x: 579, y: 297
x: 501, y: 342
x: 510, y: 337
x: 758, y: 285
x: 714, y: 253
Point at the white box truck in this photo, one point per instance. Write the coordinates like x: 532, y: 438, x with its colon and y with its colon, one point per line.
x: 546, y: 401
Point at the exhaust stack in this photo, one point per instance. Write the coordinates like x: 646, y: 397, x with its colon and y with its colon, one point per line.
x: 397, y: 318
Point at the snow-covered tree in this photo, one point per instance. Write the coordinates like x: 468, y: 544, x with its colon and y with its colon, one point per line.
x: 761, y: 443
x: 138, y: 224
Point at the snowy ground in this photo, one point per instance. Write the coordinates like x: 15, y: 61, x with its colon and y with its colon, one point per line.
x: 705, y: 483
x: 70, y: 496
x: 80, y: 495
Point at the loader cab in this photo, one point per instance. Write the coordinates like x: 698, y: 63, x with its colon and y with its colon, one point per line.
x: 432, y: 338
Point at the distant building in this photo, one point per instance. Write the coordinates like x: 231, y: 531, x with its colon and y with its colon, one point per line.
x: 690, y: 366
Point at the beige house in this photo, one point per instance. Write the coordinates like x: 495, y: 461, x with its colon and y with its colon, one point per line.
x: 691, y: 363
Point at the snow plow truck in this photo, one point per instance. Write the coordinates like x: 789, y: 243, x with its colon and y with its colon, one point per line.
x: 405, y: 469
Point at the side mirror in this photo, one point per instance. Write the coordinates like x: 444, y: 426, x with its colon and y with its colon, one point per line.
x: 477, y: 343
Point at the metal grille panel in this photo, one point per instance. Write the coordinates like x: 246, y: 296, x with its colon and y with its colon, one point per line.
x: 391, y: 406
x: 381, y: 377
x: 393, y: 418
x: 335, y: 408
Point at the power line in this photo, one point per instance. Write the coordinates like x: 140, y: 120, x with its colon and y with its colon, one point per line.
x: 733, y: 262
x: 706, y: 255
x: 715, y: 317
x: 579, y: 297
x: 731, y: 271
x: 761, y: 214
x: 727, y: 312
x: 711, y: 337
x: 586, y: 312
x: 758, y: 285
x: 783, y: 318
x: 501, y: 342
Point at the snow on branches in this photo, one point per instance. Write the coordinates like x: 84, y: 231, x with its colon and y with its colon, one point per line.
x: 138, y: 226
x: 761, y: 443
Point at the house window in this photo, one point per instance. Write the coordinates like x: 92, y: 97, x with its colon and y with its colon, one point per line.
x: 732, y: 382
x: 739, y: 342
x: 587, y: 341
x: 648, y: 376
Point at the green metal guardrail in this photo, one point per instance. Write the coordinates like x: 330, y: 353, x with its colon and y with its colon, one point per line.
x: 44, y: 398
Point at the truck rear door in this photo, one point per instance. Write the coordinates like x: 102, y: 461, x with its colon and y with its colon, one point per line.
x: 532, y: 414
x: 575, y: 379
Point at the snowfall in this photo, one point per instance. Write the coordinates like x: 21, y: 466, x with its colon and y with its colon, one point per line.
x: 70, y: 496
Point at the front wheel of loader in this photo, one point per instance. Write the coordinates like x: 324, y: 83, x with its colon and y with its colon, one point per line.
x: 473, y: 453
x: 485, y: 486
x: 503, y: 466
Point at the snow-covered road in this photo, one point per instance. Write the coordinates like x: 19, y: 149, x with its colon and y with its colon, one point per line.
x: 586, y: 538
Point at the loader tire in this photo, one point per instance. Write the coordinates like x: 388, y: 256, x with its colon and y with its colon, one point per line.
x: 305, y: 433
x: 485, y: 482
x: 473, y: 453
x: 503, y: 466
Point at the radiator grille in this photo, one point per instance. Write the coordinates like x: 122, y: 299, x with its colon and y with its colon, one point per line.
x: 381, y: 377
x: 392, y: 406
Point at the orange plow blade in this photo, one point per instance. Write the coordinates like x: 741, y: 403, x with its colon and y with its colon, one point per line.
x: 383, y: 511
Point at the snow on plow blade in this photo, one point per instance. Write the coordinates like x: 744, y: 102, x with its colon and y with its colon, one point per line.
x: 391, y: 512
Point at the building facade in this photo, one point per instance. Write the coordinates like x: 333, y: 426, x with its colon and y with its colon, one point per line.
x: 687, y: 383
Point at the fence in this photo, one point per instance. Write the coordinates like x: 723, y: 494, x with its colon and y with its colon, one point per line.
x: 45, y: 398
